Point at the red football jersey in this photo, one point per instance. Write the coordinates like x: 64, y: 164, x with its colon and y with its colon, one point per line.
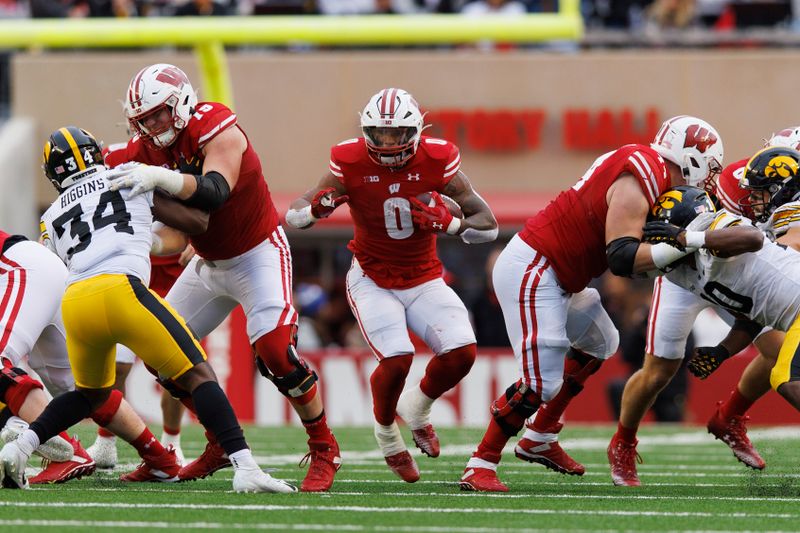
x: 394, y: 253
x: 570, y: 231
x: 3, y: 237
x: 248, y: 216
x: 728, y: 191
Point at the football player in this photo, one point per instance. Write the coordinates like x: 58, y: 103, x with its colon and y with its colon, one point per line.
x: 243, y: 258
x: 165, y: 269
x: 760, y: 287
x: 105, y: 237
x: 673, y: 311
x: 541, y: 280
x: 395, y: 282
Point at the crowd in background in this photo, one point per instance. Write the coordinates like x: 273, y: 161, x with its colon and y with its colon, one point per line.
x: 608, y: 14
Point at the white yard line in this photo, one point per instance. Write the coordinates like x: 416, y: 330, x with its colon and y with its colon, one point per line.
x: 372, y: 509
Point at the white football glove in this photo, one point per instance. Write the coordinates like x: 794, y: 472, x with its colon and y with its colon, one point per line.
x: 143, y: 178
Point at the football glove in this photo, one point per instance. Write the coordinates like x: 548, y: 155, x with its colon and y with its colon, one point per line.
x: 437, y: 218
x: 323, y: 203
x: 660, y: 231
x: 707, y: 359
x: 143, y: 178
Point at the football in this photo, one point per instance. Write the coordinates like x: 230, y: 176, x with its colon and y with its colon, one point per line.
x: 451, y: 204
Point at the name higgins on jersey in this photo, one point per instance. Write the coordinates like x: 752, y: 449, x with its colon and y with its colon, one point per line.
x: 79, y: 191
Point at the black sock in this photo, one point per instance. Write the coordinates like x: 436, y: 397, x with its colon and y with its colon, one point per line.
x: 217, y: 416
x: 62, y: 413
x: 5, y: 414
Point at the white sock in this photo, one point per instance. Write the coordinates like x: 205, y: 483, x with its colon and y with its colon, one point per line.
x: 102, y: 439
x: 27, y: 442
x: 169, y: 438
x: 420, y: 407
x: 243, y: 460
x: 389, y: 438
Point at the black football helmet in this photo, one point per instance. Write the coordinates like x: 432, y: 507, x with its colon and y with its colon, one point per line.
x: 68, y: 154
x: 772, y: 178
x: 680, y: 205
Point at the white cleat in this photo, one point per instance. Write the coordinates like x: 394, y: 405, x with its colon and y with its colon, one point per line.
x: 256, y: 480
x: 57, y: 449
x: 104, y: 452
x: 12, y: 467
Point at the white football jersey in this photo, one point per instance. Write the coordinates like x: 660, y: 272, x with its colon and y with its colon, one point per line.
x: 95, y: 230
x: 762, y: 285
x: 782, y: 220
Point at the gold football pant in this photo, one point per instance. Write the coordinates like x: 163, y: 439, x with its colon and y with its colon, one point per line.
x: 787, y: 368
x: 110, y: 309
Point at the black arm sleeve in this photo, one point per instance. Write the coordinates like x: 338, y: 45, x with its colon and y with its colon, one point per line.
x: 212, y: 191
x: 621, y: 254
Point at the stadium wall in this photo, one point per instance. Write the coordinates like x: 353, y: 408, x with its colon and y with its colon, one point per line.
x: 553, y: 113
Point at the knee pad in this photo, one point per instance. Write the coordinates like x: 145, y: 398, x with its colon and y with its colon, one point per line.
x: 513, y: 407
x: 278, y: 361
x: 102, y: 415
x: 15, y: 385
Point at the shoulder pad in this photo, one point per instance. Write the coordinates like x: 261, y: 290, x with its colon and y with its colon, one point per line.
x: 349, y: 151
x: 438, y: 149
x: 726, y: 219
x: 208, y: 121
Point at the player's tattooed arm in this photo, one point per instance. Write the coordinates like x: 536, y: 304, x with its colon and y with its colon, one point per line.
x: 477, y: 213
x: 318, y: 202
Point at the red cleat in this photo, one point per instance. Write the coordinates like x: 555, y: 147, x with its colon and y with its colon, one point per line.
x: 404, y: 466
x: 734, y: 433
x: 481, y: 480
x: 549, y: 454
x: 212, y: 459
x: 623, y: 458
x: 426, y: 440
x: 156, y: 468
x: 81, y: 464
x: 323, y: 462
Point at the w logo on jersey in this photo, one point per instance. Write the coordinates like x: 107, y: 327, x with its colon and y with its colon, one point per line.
x: 394, y: 188
x: 173, y: 76
x: 699, y: 137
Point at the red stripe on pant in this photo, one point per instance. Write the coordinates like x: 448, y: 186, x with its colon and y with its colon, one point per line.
x: 17, y: 302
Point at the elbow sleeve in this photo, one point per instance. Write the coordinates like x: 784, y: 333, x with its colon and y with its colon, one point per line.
x: 212, y: 191
x: 621, y: 254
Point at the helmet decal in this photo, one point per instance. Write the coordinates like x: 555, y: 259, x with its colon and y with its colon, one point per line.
x: 781, y: 167
x: 699, y: 137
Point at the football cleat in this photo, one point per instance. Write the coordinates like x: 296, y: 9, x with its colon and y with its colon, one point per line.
x: 104, y: 452
x: 162, y: 468
x: 79, y: 465
x: 324, y: 460
x: 12, y: 467
x: 549, y: 454
x: 623, y: 458
x: 426, y: 440
x: 481, y: 480
x: 212, y: 459
x: 56, y: 449
x: 256, y: 480
x: 404, y: 466
x: 414, y: 407
x: 734, y: 433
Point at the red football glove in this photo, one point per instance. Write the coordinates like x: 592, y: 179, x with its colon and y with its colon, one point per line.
x: 323, y: 203
x: 436, y: 218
